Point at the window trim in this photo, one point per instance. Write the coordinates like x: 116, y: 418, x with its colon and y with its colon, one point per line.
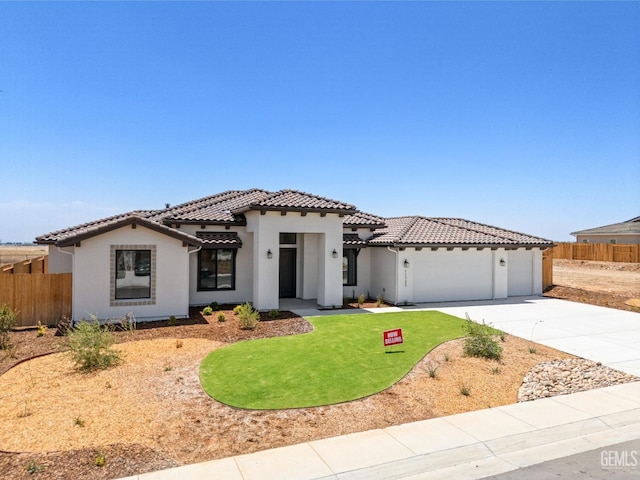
x: 234, y: 254
x: 117, y: 302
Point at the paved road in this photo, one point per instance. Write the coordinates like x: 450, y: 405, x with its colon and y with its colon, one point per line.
x: 621, y: 461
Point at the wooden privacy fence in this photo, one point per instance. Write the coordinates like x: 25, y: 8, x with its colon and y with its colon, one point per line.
x: 601, y: 252
x: 37, y: 297
x: 33, y: 265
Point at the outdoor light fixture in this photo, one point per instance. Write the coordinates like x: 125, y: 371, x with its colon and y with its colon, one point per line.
x: 269, y: 254
x: 334, y: 254
x: 406, y: 263
x: 502, y: 262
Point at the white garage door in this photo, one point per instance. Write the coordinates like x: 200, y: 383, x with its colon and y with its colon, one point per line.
x: 520, y: 271
x: 452, y: 275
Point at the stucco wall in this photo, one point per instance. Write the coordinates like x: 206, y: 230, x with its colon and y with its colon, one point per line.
x: 60, y: 262
x: 92, y: 276
x: 383, y: 273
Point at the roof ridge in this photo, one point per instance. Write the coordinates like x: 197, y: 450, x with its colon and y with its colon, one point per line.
x: 499, y: 229
x: 409, y: 226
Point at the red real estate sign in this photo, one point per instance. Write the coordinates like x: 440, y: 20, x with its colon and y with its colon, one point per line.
x: 392, y: 337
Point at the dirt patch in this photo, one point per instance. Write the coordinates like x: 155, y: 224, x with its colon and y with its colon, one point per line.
x: 606, y: 284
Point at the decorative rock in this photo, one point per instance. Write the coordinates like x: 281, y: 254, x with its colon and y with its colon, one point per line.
x: 570, y: 375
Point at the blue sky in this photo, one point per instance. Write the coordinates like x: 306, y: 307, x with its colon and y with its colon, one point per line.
x: 521, y: 115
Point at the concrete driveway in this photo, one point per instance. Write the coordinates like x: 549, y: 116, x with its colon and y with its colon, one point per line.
x: 598, y: 333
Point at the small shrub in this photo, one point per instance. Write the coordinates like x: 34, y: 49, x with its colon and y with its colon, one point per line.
x: 214, y: 306
x: 172, y: 321
x: 273, y: 313
x: 446, y: 357
x: 207, y: 311
x: 90, y: 346
x: 237, y: 309
x: 360, y: 300
x: 533, y: 349
x: 100, y: 460
x: 464, y: 390
x: 42, y: 329
x: 7, y: 322
x: 379, y: 301
x: 168, y: 368
x: 221, y: 317
x: 107, y: 385
x: 179, y: 343
x: 78, y: 422
x: 480, y: 341
x: 33, y: 467
x: 503, y: 337
x: 495, y: 370
x: 248, y: 317
x: 432, y: 370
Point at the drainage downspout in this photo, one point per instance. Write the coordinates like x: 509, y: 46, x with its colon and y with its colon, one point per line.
x: 396, y: 274
x: 73, y: 283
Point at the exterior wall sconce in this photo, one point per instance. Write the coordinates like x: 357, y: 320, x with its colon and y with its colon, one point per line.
x: 334, y: 254
x: 502, y: 262
x: 269, y: 254
x: 406, y: 263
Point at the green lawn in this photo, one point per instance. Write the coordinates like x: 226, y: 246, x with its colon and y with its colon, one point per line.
x: 342, y: 359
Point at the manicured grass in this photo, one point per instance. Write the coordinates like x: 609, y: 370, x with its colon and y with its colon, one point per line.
x: 342, y: 359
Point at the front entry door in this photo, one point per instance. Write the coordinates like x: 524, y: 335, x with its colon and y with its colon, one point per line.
x: 287, y: 273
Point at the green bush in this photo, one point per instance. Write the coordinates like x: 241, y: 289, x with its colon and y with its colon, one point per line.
x: 207, y: 311
x: 7, y: 322
x: 361, y: 300
x: 248, y: 317
x: 480, y: 341
x: 237, y: 309
x: 221, y: 317
x: 273, y: 313
x: 90, y: 346
x: 214, y: 306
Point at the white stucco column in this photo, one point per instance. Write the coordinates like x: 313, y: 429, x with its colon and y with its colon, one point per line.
x: 537, y: 271
x: 265, y: 269
x: 500, y: 273
x: 330, y: 268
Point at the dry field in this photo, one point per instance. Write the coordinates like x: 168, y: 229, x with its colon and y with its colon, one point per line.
x: 18, y: 253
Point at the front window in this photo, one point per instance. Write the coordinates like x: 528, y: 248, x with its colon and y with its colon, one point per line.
x: 217, y: 269
x: 349, y: 267
x: 133, y: 274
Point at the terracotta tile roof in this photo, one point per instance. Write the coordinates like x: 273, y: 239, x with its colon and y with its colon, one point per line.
x: 352, y: 240
x: 422, y: 231
x: 220, y: 239
x: 293, y: 200
x: 363, y: 220
x: 76, y: 234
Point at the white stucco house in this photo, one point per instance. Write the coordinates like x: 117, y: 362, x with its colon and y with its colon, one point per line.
x: 260, y: 246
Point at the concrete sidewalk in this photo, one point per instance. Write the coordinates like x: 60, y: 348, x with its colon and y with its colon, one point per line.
x: 484, y: 442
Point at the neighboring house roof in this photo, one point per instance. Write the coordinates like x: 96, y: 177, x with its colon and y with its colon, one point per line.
x: 422, y: 231
x: 227, y: 208
x: 630, y: 227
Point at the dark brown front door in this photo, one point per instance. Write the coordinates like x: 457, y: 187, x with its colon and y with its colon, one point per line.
x: 287, y: 273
